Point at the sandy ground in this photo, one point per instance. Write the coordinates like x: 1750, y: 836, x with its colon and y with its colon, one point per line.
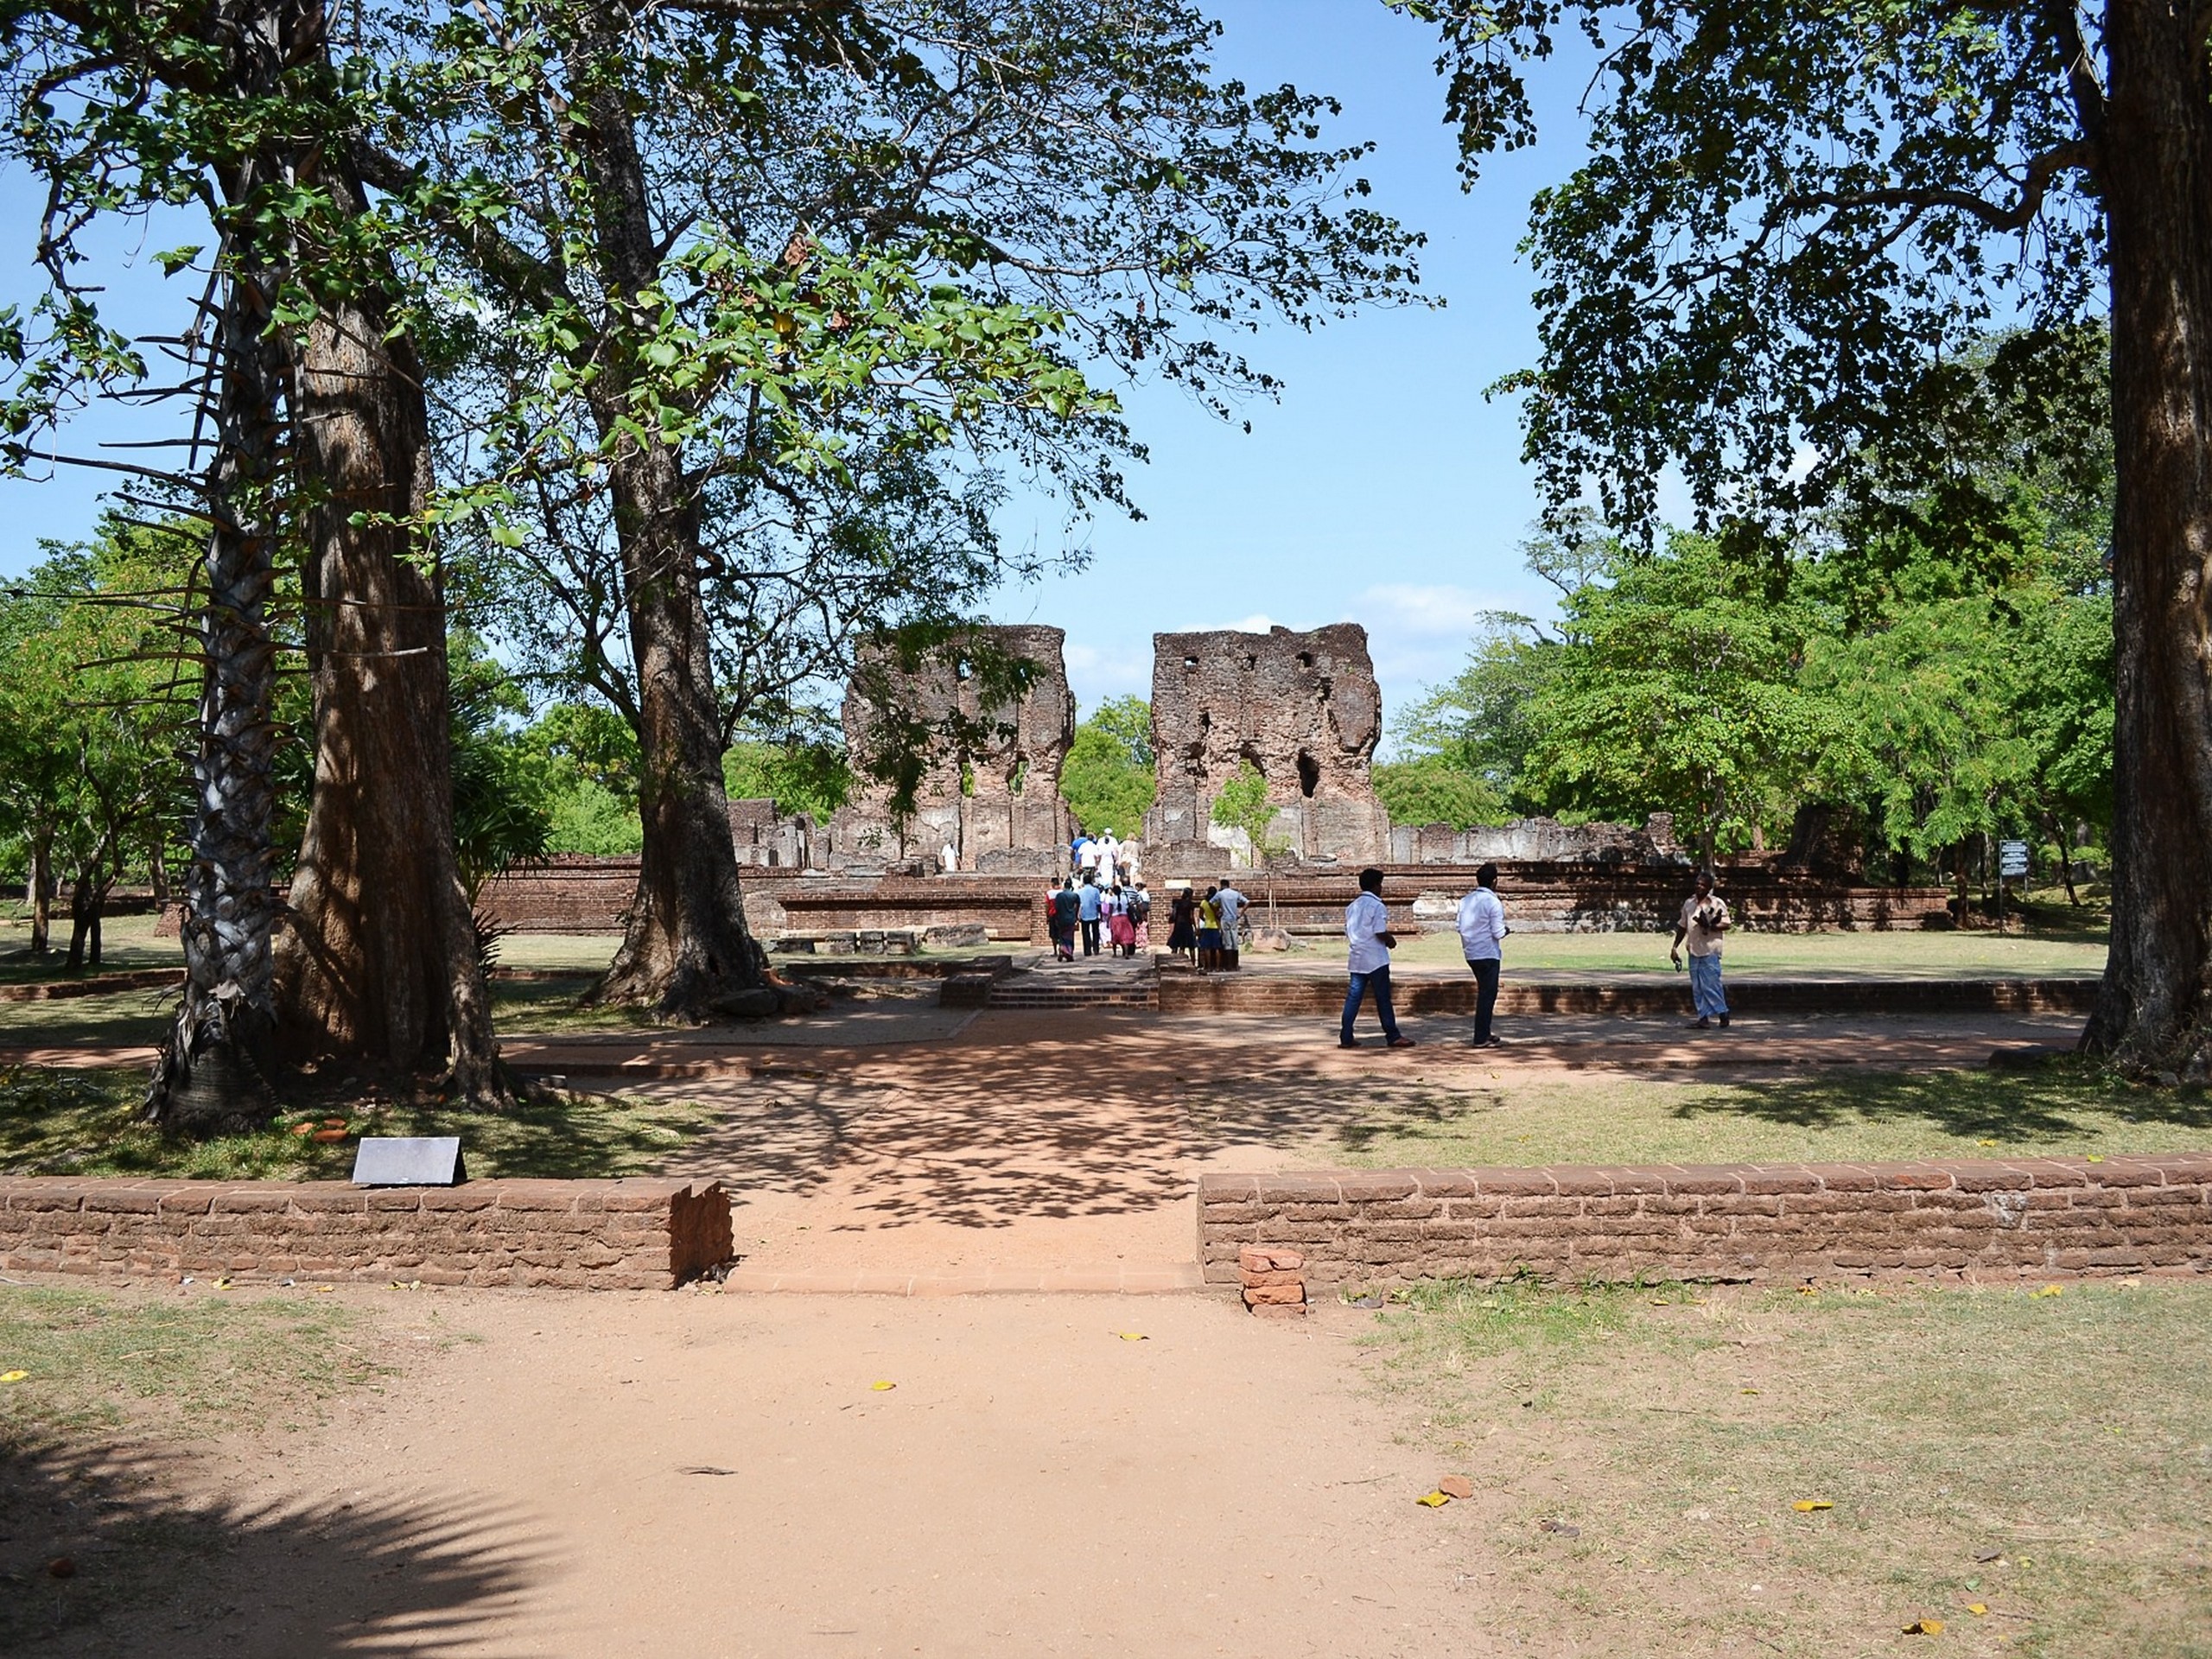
x: 716, y: 1474
x: 1057, y: 1150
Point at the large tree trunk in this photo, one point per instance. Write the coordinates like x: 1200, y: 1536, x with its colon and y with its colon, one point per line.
x: 212, y: 1071
x: 378, y: 964
x: 2155, y: 176
x: 686, y: 953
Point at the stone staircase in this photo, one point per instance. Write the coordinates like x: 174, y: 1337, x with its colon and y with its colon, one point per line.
x: 1075, y: 987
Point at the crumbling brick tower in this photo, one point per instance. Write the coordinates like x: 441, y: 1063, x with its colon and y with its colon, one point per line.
x: 999, y: 806
x: 1302, y: 708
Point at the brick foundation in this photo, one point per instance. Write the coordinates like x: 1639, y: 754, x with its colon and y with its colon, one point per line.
x: 1300, y: 993
x: 2026, y: 1217
x: 620, y: 1235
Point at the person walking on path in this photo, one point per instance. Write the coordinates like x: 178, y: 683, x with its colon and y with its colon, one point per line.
x: 1703, y: 920
x: 1481, y: 934
x: 1075, y: 853
x: 1140, y: 921
x: 1182, y: 923
x: 1090, y: 907
x: 1063, y: 906
x: 1231, y: 903
x: 1367, y: 930
x: 1116, y: 905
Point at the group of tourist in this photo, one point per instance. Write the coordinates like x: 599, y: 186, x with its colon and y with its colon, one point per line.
x: 1207, y: 928
x: 1483, y: 931
x: 1110, y: 915
x: 1106, y: 859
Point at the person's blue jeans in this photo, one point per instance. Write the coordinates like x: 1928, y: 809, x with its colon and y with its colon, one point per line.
x: 1705, y: 986
x: 1379, y: 983
x: 1486, y: 971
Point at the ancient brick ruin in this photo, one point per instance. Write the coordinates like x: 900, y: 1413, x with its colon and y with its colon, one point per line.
x: 997, y: 804
x: 1303, y: 708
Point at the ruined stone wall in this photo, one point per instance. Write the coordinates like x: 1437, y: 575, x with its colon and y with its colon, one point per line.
x: 999, y: 800
x: 1302, y: 708
x: 765, y: 839
x: 1540, y: 839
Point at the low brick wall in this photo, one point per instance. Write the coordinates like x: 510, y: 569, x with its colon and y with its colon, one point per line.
x: 620, y: 1234
x: 2028, y: 1216
x: 1274, y: 991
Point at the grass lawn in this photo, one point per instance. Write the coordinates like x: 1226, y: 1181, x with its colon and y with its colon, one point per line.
x: 55, y: 1122
x: 1831, y: 1116
x: 2043, y: 1459
x: 99, y: 1362
x: 1974, y: 954
x: 118, y: 1386
x: 127, y: 943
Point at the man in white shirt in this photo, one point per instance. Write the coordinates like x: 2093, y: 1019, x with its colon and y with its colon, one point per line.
x: 1703, y: 920
x: 1367, y: 930
x: 1109, y: 859
x: 1231, y: 903
x: 1087, y: 854
x: 1481, y: 934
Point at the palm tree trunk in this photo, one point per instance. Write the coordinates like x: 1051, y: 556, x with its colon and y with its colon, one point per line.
x: 212, y: 1072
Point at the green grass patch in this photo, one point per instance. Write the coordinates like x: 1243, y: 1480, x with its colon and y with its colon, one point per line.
x: 2070, y: 1109
x: 2047, y: 1458
x: 55, y: 1122
x: 1974, y: 954
x: 188, y: 1367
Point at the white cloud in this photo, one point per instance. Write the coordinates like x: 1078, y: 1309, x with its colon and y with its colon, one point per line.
x: 1432, y: 610
x: 1097, y: 672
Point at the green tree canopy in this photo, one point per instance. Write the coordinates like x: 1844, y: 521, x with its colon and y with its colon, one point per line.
x: 1107, y: 780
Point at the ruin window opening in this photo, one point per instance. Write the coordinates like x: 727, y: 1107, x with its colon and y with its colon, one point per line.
x: 1309, y: 773
x: 1251, y: 659
x: 1305, y: 659
x: 1190, y: 664
x: 964, y: 669
x: 1019, y: 776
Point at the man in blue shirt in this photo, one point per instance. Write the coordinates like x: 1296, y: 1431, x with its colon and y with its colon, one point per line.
x: 1092, y: 909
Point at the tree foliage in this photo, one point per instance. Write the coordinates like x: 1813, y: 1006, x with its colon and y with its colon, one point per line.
x: 1107, y: 779
x: 95, y: 703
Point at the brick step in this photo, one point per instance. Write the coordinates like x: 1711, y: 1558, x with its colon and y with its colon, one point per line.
x: 1073, y: 1000
x: 1076, y: 991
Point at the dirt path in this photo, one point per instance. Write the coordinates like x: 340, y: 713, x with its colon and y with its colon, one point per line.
x: 1055, y: 1151
x: 695, y: 1473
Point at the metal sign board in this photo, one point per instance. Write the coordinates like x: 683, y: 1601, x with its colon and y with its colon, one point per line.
x: 410, y: 1160
x: 2011, y: 858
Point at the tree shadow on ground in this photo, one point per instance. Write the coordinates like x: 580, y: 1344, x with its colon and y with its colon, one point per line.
x: 1081, y: 1122
x: 287, y: 1578
x: 2053, y: 1103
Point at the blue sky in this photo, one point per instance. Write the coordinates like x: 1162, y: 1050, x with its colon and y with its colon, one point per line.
x: 1383, y: 488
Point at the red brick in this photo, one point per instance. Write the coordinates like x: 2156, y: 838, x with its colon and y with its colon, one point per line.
x: 1259, y: 1295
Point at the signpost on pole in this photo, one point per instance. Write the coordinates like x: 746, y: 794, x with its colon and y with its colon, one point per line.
x: 2012, y: 865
